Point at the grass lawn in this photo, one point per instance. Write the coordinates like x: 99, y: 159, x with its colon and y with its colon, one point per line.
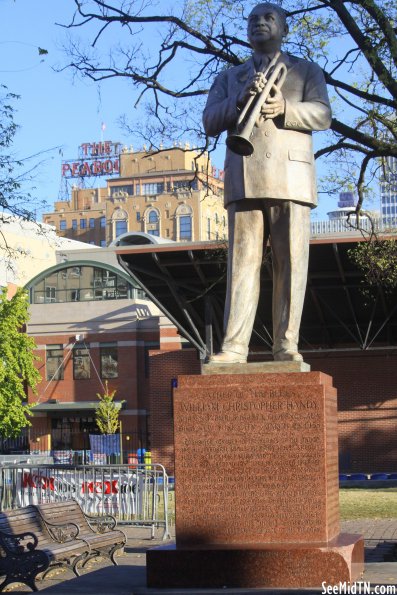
x: 355, y: 503
x: 360, y: 503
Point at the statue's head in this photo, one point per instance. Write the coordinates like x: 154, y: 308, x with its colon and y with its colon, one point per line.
x: 267, y: 26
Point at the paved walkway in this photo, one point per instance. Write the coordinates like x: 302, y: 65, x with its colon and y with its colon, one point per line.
x: 380, y: 538
x: 129, y: 578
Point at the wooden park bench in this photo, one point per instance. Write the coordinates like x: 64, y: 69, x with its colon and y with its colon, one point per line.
x: 51, y: 535
x: 20, y: 561
x: 59, y: 545
x: 99, y: 532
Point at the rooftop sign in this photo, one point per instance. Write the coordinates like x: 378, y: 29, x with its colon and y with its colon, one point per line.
x: 95, y: 159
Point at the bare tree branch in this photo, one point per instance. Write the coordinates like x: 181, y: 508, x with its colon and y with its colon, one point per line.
x: 200, y: 38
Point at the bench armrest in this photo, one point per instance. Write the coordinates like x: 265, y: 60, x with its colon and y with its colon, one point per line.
x: 63, y: 532
x: 101, y: 524
x: 19, y: 543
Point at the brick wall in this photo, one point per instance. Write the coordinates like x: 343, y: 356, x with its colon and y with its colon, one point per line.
x: 163, y: 367
x: 70, y: 389
x: 367, y: 404
x: 131, y: 384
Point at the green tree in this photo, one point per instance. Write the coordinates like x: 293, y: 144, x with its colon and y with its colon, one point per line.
x: 17, y: 369
x: 172, y: 51
x: 107, y: 413
x: 376, y: 257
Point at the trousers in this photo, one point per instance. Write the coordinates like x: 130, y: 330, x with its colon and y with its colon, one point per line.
x: 251, y: 223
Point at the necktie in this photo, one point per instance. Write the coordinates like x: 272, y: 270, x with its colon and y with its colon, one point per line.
x: 265, y: 61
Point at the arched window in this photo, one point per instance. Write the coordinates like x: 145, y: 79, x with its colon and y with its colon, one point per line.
x: 185, y: 227
x: 121, y: 227
x: 79, y: 284
x: 153, y: 222
x: 120, y: 222
x: 184, y: 218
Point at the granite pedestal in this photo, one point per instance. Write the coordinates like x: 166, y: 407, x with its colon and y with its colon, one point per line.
x: 256, y: 480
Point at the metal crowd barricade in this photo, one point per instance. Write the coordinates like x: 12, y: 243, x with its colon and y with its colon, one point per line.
x: 134, y: 494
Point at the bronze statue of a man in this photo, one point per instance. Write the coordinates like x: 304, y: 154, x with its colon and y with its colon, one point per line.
x: 271, y: 191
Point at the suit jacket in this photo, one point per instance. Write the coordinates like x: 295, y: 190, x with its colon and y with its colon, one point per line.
x: 282, y: 165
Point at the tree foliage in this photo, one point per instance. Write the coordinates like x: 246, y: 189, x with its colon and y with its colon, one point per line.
x: 377, y: 259
x: 171, y: 52
x: 107, y: 413
x: 17, y: 369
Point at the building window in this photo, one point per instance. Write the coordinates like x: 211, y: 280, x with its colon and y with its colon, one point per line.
x: 186, y: 185
x: 81, y: 362
x: 153, y: 217
x: 185, y: 227
x: 92, y: 223
x: 50, y: 295
x: 153, y: 225
x: 79, y: 284
x: 138, y: 216
x: 75, y: 272
x: 153, y: 188
x: 103, y: 221
x: 83, y: 223
x: 108, y: 285
x: 109, y: 360
x: 74, y: 224
x: 54, y: 362
x: 103, y: 243
x: 62, y: 224
x: 208, y: 228
x: 121, y: 227
x: 121, y: 191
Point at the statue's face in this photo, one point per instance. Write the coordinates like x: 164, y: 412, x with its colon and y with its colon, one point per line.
x: 266, y: 26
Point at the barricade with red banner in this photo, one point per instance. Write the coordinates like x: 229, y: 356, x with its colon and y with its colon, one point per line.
x: 133, y: 494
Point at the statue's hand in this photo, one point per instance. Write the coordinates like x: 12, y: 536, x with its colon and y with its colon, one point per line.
x: 274, y: 105
x: 252, y: 87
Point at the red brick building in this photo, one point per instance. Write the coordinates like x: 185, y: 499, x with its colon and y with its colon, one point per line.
x: 91, y: 324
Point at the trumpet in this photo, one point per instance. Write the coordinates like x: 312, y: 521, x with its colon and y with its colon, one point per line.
x: 250, y: 115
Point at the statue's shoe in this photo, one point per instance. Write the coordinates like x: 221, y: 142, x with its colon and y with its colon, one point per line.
x: 287, y: 356
x: 227, y: 357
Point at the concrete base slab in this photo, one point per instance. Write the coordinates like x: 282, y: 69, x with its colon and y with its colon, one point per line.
x: 257, y: 566
x: 255, y: 368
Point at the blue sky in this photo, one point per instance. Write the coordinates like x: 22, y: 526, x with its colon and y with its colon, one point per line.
x: 56, y: 111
